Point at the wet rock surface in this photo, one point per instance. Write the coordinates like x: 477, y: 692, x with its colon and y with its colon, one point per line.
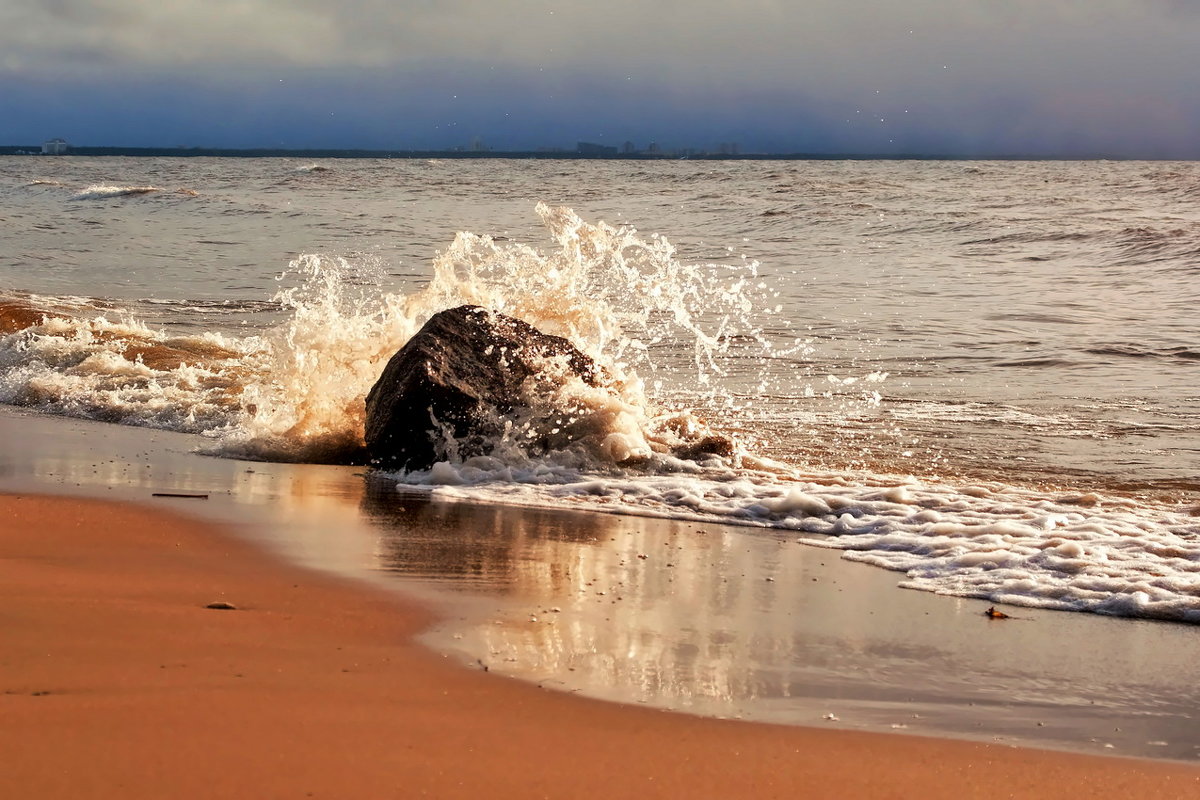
x: 456, y: 385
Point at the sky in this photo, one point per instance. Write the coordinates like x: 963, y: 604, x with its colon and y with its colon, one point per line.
x: 1114, y: 78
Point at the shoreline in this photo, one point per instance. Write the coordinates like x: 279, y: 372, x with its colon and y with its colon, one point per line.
x: 715, y: 621
x: 119, y: 682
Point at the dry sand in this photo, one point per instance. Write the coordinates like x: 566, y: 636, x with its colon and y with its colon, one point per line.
x: 117, y: 681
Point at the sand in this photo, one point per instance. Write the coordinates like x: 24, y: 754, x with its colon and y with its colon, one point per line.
x: 117, y: 681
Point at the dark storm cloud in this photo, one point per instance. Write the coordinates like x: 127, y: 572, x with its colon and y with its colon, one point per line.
x: 998, y: 76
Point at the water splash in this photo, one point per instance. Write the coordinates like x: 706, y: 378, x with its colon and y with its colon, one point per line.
x: 310, y: 374
x: 613, y: 293
x: 295, y: 392
x: 619, y: 297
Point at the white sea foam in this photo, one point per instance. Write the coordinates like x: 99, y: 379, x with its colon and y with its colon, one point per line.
x: 122, y: 371
x: 1081, y: 552
x: 101, y: 191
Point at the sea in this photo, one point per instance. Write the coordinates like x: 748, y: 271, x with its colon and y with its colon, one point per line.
x: 982, y: 375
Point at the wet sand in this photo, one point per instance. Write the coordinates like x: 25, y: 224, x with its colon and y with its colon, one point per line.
x: 119, y: 682
x: 715, y: 620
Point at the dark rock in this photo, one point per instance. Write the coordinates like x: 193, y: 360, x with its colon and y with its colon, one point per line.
x: 221, y: 605
x: 459, y: 380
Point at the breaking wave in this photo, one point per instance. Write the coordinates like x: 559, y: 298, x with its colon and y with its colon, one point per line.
x: 69, y: 358
x: 615, y: 295
x: 295, y: 392
x: 104, y: 192
x: 1067, y: 551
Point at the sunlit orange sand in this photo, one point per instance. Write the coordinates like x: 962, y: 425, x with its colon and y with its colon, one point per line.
x: 118, y: 681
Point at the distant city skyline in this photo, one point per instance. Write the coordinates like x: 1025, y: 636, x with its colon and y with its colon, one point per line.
x: 948, y: 77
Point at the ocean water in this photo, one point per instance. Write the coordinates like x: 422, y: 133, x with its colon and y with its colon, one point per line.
x: 981, y: 375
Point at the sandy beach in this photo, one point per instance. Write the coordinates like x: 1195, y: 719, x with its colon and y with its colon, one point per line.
x: 118, y: 681
x: 845, y: 410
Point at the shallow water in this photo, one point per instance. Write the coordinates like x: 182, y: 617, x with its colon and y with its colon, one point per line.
x: 980, y: 374
x: 713, y: 620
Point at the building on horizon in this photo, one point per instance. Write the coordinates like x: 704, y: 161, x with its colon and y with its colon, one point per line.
x: 55, y: 147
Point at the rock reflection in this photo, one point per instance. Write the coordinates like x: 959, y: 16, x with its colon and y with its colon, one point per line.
x: 500, y: 548
x: 673, y: 613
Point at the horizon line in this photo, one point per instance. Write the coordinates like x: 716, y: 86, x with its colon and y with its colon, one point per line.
x: 373, y: 153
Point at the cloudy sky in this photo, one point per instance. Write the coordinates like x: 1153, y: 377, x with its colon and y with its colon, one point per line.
x: 971, y: 77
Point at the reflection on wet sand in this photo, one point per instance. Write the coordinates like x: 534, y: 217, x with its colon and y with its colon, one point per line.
x: 488, y: 546
x: 706, y: 618
x: 718, y: 621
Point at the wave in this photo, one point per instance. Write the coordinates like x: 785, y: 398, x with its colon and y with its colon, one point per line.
x: 104, y: 191
x: 615, y: 295
x: 1063, y: 551
x: 1149, y: 245
x: 16, y: 315
x: 1031, y: 237
x: 295, y: 392
x: 1138, y: 350
x: 69, y: 359
x: 215, y: 307
x: 22, y: 310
